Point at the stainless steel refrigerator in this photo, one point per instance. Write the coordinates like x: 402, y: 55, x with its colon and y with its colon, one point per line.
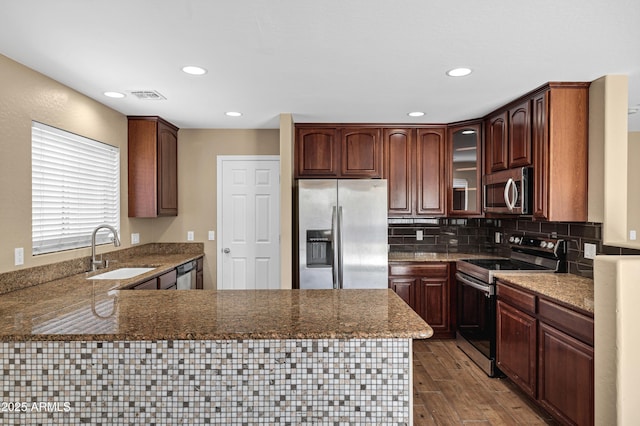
x: 342, y: 233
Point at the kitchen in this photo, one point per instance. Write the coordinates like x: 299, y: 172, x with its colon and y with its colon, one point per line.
x: 197, y: 147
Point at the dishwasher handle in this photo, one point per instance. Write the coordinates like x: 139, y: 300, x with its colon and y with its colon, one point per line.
x: 186, y: 268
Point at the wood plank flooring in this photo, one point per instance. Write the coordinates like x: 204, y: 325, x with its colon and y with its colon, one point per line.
x: 449, y: 389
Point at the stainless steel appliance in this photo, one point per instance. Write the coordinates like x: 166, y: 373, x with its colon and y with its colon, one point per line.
x: 476, y: 310
x: 509, y: 191
x: 342, y: 233
x: 186, y: 276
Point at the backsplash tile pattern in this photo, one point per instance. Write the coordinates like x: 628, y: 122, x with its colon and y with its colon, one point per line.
x: 477, y: 236
x: 329, y: 381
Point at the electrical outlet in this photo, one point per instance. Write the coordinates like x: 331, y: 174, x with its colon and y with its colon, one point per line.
x: 497, y: 237
x: 18, y: 254
x: 632, y: 235
x: 419, y: 235
x: 212, y: 235
x: 589, y: 251
x: 135, y: 238
x: 189, y: 235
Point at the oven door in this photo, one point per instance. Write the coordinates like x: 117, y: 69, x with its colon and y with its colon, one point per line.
x: 476, y: 321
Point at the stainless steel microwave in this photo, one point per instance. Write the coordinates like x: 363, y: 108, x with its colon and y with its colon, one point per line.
x: 509, y: 191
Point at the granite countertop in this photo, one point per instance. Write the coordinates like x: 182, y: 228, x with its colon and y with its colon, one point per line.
x: 568, y: 289
x: 435, y: 257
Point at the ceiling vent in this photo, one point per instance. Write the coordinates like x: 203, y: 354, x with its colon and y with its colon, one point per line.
x: 148, y: 95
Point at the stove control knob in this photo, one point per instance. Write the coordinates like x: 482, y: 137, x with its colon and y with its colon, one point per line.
x: 543, y: 244
x: 511, y: 239
x: 550, y: 245
x: 517, y: 240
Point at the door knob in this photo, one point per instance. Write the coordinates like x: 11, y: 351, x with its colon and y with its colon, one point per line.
x: 226, y: 250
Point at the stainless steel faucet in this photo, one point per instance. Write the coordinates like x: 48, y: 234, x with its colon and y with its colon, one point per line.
x: 97, y: 264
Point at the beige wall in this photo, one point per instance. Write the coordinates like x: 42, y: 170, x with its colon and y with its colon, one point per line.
x: 197, y: 171
x: 633, y: 189
x: 26, y: 95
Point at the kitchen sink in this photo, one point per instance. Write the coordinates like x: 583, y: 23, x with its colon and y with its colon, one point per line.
x: 121, y: 274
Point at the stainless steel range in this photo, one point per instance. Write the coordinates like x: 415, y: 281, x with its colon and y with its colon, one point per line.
x: 476, y: 310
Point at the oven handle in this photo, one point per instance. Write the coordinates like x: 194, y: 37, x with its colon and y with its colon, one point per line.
x: 488, y: 290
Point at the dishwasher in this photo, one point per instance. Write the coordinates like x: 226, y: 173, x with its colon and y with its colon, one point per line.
x: 186, y: 276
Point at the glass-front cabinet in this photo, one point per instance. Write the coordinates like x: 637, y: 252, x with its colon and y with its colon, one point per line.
x: 465, y: 165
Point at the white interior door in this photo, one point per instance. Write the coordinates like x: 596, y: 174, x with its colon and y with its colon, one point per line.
x: 248, y: 222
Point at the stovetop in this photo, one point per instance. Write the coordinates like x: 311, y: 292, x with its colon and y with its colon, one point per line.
x: 504, y: 265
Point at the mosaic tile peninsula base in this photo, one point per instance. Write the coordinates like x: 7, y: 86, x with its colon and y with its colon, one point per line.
x: 206, y: 382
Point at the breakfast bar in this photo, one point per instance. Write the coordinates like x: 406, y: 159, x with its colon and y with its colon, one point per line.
x: 86, y: 351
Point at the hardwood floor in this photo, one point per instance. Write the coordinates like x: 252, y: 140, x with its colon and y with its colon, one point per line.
x: 449, y: 389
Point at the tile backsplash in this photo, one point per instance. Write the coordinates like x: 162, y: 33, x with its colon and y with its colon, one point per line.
x: 478, y: 236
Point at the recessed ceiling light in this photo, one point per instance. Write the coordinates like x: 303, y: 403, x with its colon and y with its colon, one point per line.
x: 468, y: 132
x: 416, y: 114
x: 116, y: 95
x: 233, y: 113
x: 459, y: 72
x: 193, y: 70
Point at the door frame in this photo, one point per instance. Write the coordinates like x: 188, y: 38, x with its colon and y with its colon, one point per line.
x: 219, y: 226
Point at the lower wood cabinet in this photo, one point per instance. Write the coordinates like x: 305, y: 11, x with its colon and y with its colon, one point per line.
x: 547, y: 350
x: 426, y: 288
x: 199, y: 273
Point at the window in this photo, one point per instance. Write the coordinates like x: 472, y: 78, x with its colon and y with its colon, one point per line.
x: 75, y: 186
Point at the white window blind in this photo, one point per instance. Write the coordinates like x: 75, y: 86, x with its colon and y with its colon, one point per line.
x: 75, y: 184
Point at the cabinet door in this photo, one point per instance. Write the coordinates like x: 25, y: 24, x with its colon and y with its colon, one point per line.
x: 434, y: 304
x: 566, y: 381
x: 465, y: 166
x: 520, y: 135
x: 497, y: 143
x: 361, y: 153
x: 516, y: 346
x: 398, y: 170
x: 167, y: 171
x: 316, y: 152
x: 430, y: 172
x: 404, y: 287
x: 152, y: 284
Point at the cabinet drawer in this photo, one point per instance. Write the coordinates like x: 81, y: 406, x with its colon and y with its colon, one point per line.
x: 167, y: 280
x: 427, y: 269
x: 147, y: 285
x: 573, y: 323
x: 517, y: 298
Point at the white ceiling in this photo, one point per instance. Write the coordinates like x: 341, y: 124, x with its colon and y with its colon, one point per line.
x: 322, y: 61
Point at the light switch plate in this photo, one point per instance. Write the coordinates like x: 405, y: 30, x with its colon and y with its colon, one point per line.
x: 632, y: 235
x: 497, y: 237
x: 190, y: 236
x: 419, y: 235
x: 19, y: 256
x: 589, y: 251
x: 212, y: 235
x: 135, y: 238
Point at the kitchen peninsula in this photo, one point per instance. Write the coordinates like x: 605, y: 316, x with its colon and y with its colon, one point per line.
x: 99, y: 352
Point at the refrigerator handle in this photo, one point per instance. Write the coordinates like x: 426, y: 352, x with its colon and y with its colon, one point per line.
x: 340, y: 283
x: 334, y: 243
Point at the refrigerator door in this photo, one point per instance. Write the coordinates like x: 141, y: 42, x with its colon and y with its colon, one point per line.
x: 317, y: 228
x: 362, y: 214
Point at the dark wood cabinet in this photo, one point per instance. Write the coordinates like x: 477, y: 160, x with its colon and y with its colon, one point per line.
x: 153, y: 167
x: 151, y: 284
x: 520, y: 135
x: 464, y: 162
x: 415, y: 169
x: 560, y: 151
x: 399, y: 170
x: 426, y: 288
x: 497, y: 143
x: 516, y: 346
x: 431, y: 171
x: 547, y: 350
x: 199, y: 273
x: 168, y: 281
x: 338, y: 152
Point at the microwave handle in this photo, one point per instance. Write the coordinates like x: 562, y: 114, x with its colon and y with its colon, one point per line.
x: 510, y: 201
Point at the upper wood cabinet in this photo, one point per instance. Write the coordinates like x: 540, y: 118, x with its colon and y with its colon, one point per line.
x: 509, y: 138
x: 153, y: 167
x: 560, y: 147
x: 415, y: 169
x: 464, y: 161
x: 338, y: 152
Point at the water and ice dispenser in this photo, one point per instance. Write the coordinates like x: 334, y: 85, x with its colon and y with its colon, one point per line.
x: 319, y: 248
